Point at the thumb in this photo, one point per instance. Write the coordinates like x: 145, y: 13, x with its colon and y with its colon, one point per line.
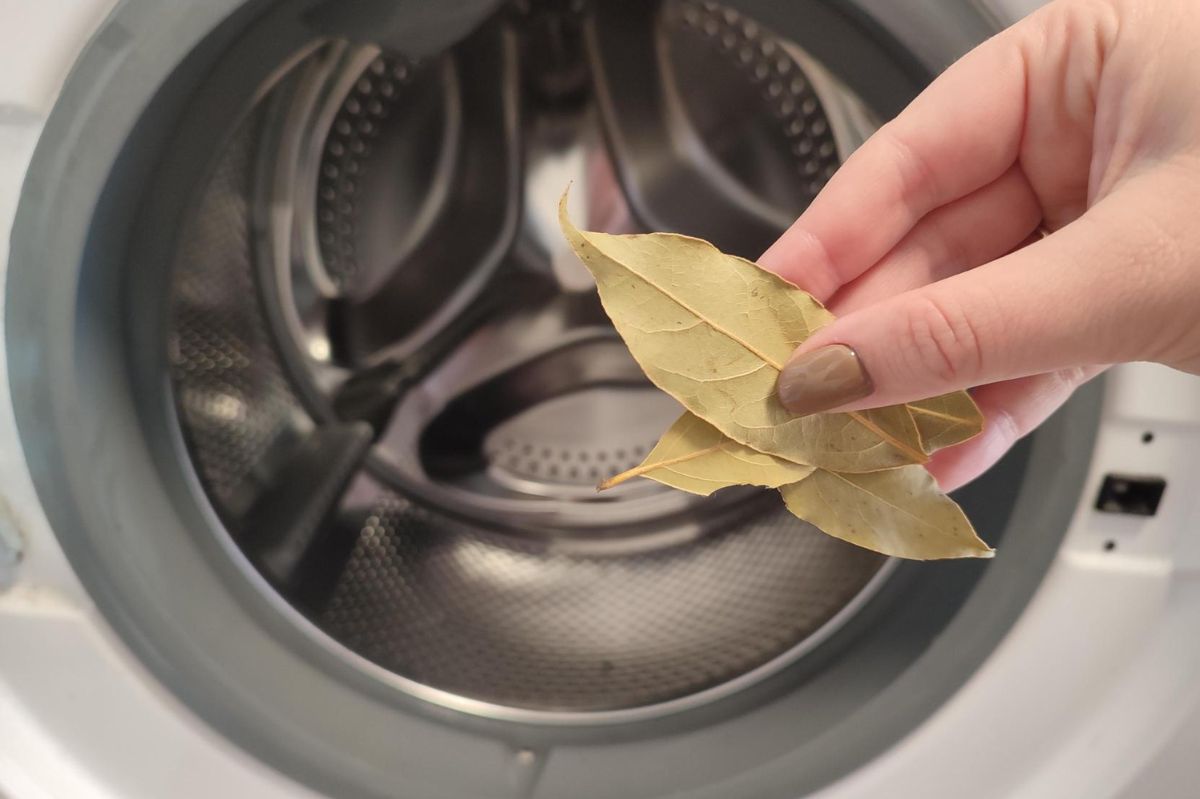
x: 1104, y: 289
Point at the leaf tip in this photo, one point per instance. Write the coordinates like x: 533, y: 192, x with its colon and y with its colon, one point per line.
x: 564, y: 219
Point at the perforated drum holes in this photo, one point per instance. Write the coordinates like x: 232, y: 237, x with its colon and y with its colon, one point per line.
x: 468, y: 578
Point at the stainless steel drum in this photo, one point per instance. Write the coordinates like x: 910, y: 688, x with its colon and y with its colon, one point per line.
x: 400, y: 391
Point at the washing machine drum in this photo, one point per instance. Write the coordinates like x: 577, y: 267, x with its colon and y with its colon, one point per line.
x: 322, y: 395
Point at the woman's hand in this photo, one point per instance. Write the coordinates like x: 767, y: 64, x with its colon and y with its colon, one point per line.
x: 1083, y: 119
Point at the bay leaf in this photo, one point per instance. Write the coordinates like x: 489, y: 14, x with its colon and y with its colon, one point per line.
x: 899, y: 512
x: 946, y: 420
x: 713, y: 331
x: 696, y: 457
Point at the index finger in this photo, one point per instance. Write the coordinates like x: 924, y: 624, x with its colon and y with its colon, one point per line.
x: 958, y: 135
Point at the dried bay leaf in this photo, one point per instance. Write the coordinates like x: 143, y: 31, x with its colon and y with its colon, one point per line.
x: 713, y: 331
x: 946, y: 420
x: 898, y: 512
x: 696, y: 457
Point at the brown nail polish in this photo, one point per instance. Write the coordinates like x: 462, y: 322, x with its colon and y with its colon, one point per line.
x: 823, y: 379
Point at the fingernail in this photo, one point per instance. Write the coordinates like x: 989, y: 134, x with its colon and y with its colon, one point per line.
x: 822, y: 379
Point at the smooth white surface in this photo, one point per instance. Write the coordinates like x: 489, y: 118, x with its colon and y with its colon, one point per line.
x: 40, y: 40
x: 1101, y: 670
x: 79, y: 719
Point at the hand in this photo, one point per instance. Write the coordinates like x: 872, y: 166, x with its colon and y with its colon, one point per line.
x: 1082, y: 118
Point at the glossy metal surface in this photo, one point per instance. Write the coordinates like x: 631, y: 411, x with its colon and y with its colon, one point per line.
x: 379, y: 247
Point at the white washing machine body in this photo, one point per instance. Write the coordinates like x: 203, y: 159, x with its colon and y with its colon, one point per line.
x: 80, y: 717
x: 1093, y: 692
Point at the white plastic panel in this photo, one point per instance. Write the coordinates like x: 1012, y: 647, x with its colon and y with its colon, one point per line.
x: 79, y: 719
x: 38, y: 43
x: 1100, y: 671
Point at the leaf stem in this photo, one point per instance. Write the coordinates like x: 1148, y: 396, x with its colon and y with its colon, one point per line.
x: 918, y: 457
x: 646, y: 466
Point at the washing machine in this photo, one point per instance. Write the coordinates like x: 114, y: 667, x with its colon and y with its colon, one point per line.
x: 304, y: 400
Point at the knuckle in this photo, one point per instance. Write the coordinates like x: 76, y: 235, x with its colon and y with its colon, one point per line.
x: 916, y: 179
x: 1069, y: 379
x: 944, y: 342
x: 1086, y: 27
x: 1158, y: 271
x: 957, y: 251
x: 822, y: 276
x: 1007, y: 429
